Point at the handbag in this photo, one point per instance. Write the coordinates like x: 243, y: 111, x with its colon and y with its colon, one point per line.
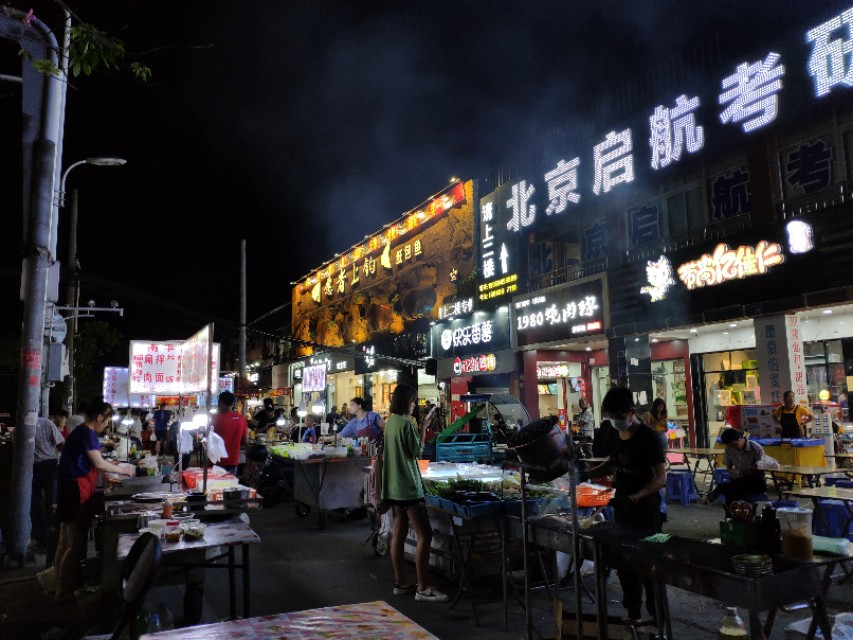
x: 374, y: 483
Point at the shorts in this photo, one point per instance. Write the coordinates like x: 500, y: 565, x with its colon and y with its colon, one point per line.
x: 405, y: 504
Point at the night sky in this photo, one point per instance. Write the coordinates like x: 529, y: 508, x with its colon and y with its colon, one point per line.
x: 303, y: 126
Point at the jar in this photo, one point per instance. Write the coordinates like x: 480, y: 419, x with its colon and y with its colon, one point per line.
x: 167, y: 509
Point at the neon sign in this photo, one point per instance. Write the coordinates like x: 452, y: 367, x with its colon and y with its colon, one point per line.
x: 474, y: 364
x: 726, y: 264
x: 659, y: 275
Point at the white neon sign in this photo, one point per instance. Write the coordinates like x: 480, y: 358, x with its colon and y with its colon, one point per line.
x: 562, y: 186
x: 659, y: 276
x: 613, y: 161
x: 477, y: 333
x: 831, y: 62
x: 674, y: 130
x: 751, y: 93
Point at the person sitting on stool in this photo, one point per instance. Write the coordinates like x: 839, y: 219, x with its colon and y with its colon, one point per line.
x: 741, y: 459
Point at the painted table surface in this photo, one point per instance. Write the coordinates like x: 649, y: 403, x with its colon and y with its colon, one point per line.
x: 697, y: 451
x: 834, y: 493
x: 804, y: 471
x: 375, y: 620
x: 228, y: 532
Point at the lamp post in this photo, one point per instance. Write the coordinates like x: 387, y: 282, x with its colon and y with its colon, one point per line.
x: 73, y: 291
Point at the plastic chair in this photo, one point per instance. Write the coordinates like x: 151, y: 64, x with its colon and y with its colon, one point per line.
x: 137, y: 575
x: 680, y: 487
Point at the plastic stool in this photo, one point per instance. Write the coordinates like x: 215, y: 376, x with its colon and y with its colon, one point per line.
x: 680, y: 486
x: 837, y: 481
x: 721, y: 476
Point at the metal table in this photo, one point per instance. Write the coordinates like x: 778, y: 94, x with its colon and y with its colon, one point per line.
x: 191, y: 554
x: 704, y: 568
x: 811, y: 475
x: 327, y: 483
x: 709, y: 455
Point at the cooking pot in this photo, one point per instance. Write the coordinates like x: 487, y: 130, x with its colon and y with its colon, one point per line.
x: 542, y: 444
x: 235, y: 497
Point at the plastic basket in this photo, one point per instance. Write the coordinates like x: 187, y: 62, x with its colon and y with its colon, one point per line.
x: 513, y: 507
x: 479, y: 510
x: 591, y: 497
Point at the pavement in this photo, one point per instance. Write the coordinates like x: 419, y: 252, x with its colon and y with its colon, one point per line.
x: 297, y: 566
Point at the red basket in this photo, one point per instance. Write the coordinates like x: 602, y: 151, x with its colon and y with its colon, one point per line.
x: 588, y: 497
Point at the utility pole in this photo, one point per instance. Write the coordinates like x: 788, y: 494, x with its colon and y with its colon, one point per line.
x: 242, y: 375
x: 42, y: 138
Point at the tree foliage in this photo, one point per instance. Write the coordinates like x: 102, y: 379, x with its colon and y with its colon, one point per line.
x: 96, y: 342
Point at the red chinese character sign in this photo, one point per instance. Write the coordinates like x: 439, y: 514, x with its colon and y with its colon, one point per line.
x: 155, y: 367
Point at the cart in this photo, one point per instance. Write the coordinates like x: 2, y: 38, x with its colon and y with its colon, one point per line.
x: 324, y: 484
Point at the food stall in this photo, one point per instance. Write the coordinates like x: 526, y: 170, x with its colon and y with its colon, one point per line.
x: 324, y: 478
x: 757, y: 421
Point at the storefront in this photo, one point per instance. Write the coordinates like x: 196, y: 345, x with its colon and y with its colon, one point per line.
x: 473, y: 355
x: 738, y: 323
x: 560, y: 334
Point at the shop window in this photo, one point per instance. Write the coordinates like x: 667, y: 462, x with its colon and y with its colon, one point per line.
x: 670, y: 383
x: 730, y: 378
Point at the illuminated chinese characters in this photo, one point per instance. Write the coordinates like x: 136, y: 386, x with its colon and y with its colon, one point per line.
x: 477, y: 333
x: 726, y: 264
x: 474, y: 364
x: 831, y: 62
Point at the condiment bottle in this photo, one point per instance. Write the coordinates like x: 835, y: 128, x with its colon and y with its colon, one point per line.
x: 732, y: 627
x: 167, y: 508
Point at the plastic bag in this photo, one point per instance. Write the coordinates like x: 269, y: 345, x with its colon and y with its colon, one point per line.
x: 216, y: 447
x: 843, y: 627
x: 767, y: 462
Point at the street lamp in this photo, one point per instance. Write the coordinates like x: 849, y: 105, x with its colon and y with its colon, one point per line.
x: 73, y: 291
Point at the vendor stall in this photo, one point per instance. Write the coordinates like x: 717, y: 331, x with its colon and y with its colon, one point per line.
x: 323, y: 483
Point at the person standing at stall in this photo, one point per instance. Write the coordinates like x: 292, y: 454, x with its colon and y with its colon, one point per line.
x: 232, y: 428
x: 792, y: 417
x: 635, y: 457
x: 586, y: 420
x: 657, y: 419
x: 48, y: 442
x: 364, y: 423
x: 79, y: 466
x: 403, y: 488
x: 161, y: 418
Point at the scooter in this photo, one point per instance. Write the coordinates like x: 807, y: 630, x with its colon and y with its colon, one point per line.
x: 273, y: 483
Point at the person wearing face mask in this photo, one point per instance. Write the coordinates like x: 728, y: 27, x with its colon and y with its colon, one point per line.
x: 635, y: 458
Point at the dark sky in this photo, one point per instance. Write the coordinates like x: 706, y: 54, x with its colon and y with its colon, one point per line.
x: 303, y: 126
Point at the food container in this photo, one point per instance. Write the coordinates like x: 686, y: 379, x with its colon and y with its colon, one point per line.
x: 196, y: 500
x: 235, y: 497
x: 423, y: 465
x: 172, y: 532
x: 796, y: 525
x: 193, y: 530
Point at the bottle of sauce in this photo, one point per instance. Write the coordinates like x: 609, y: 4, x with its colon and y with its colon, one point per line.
x: 167, y: 509
x: 732, y: 627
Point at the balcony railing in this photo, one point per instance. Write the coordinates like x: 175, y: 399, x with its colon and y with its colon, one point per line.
x: 812, y: 203
x: 567, y: 274
x: 709, y: 233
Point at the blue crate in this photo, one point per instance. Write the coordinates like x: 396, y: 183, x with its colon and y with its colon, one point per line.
x: 464, y: 447
x: 513, y: 507
x: 479, y: 510
x: 836, y: 514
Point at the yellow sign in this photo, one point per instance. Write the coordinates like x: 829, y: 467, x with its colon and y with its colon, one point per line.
x: 726, y: 264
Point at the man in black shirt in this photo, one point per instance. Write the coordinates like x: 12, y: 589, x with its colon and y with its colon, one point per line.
x: 635, y: 457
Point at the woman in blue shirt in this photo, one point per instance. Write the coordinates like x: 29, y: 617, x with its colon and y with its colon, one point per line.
x: 79, y: 467
x: 364, y: 424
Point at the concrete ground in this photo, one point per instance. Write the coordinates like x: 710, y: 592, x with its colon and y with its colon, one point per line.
x: 297, y: 566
